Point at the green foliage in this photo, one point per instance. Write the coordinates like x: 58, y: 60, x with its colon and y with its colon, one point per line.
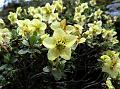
x: 59, y: 45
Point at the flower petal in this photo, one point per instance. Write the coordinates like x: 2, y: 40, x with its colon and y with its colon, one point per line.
x: 59, y: 33
x: 70, y: 28
x: 55, y: 25
x: 43, y: 26
x: 70, y: 40
x: 66, y: 53
x: 82, y: 40
x: 53, y: 54
x: 49, y: 42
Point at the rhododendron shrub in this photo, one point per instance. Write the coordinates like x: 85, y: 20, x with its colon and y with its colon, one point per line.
x: 42, y: 48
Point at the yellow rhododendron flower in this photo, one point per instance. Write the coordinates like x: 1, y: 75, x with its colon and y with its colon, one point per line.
x: 92, y: 2
x: 35, y: 12
x: 19, y: 10
x: 38, y: 26
x: 59, y: 45
x: 109, y: 83
x: 111, y: 63
x: 78, y: 29
x: 95, y: 28
x: 69, y: 29
x: 62, y: 25
x: 25, y: 28
x: 32, y: 10
x: 58, y: 5
x: 12, y: 17
x: 84, y: 5
x: 97, y: 14
x: 110, y: 35
x: 5, y: 35
x: 105, y: 57
x: 81, y: 8
x: 80, y: 18
x: 78, y: 32
x: 49, y: 14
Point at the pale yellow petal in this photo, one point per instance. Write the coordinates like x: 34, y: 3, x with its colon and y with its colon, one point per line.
x: 59, y: 33
x: 70, y: 40
x: 55, y: 25
x: 43, y: 26
x: 70, y: 28
x: 82, y: 40
x: 53, y: 54
x: 49, y: 42
x: 66, y: 53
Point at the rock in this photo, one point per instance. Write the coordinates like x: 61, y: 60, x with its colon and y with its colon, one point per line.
x: 113, y: 9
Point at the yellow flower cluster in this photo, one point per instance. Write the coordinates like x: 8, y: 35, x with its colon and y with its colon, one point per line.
x: 61, y: 35
x: 94, y: 29
x: 78, y: 17
x: 65, y: 36
x: 109, y: 35
x: 111, y: 63
x: 27, y: 27
x: 5, y: 34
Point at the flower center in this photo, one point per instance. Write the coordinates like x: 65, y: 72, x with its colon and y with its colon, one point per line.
x: 48, y: 11
x: 60, y: 45
x: 114, y: 62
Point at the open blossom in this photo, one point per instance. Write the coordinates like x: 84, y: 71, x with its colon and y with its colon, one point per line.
x: 58, y: 5
x: 19, y: 10
x: 5, y: 35
x: 59, y: 45
x: 48, y: 13
x: 111, y: 63
x: 80, y: 9
x: 25, y: 28
x: 98, y: 13
x: 74, y: 30
x: 94, y: 29
x: 79, y: 18
x: 38, y: 26
x: 35, y: 12
x: 12, y: 17
x: 110, y: 35
x: 62, y: 25
x: 32, y: 10
x: 93, y: 2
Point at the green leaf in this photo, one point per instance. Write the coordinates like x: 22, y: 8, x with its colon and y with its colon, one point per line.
x: 46, y: 69
x: 25, y: 42
x: 32, y: 40
x: 22, y: 51
x: 57, y: 73
x: 8, y: 58
x: 3, y: 81
x: 3, y: 67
